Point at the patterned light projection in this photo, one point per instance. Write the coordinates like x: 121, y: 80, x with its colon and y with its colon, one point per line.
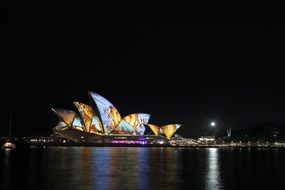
x: 77, y: 123
x: 109, y: 114
x: 124, y: 128
x: 96, y: 126
x: 87, y: 121
x: 170, y: 129
x: 67, y: 116
x: 136, y: 121
x: 86, y: 113
x: 154, y: 128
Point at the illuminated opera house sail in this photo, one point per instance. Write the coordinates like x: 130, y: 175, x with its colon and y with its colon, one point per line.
x: 108, y: 126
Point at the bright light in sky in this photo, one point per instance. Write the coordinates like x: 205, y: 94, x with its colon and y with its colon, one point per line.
x: 213, y: 124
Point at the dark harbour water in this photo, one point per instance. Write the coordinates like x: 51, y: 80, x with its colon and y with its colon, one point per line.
x: 142, y: 168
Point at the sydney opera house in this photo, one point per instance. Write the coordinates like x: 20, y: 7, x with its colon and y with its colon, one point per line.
x: 101, y: 123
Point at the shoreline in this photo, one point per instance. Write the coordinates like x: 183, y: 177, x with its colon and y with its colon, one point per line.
x: 148, y: 145
x: 61, y: 142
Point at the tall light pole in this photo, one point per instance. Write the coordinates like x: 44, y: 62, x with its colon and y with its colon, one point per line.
x: 209, y: 127
x: 213, y: 125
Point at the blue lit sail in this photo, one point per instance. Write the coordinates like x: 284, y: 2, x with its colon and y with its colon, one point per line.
x: 109, y: 114
x: 96, y: 125
x: 77, y: 122
x: 125, y: 127
x: 135, y: 122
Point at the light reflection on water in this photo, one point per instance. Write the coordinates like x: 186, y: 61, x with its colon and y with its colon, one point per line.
x: 6, y: 174
x: 213, y: 180
x: 140, y: 168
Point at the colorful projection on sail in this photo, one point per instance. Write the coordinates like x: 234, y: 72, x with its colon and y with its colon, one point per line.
x: 136, y: 122
x: 170, y: 129
x: 154, y: 128
x: 109, y: 114
x: 67, y: 116
x: 77, y: 123
x: 86, y: 113
x: 124, y: 128
x: 96, y: 126
x: 133, y: 124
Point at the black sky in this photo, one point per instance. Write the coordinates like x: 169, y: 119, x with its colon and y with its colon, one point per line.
x: 185, y: 67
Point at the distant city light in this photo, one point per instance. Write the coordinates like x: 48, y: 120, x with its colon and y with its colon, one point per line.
x: 213, y: 124
x: 160, y: 142
x: 128, y: 142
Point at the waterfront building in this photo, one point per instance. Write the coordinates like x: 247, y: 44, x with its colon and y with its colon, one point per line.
x: 109, y: 127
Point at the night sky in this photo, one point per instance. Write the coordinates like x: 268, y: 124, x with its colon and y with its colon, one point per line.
x: 222, y: 65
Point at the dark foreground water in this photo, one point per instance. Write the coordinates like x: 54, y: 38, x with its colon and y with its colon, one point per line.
x: 142, y: 168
